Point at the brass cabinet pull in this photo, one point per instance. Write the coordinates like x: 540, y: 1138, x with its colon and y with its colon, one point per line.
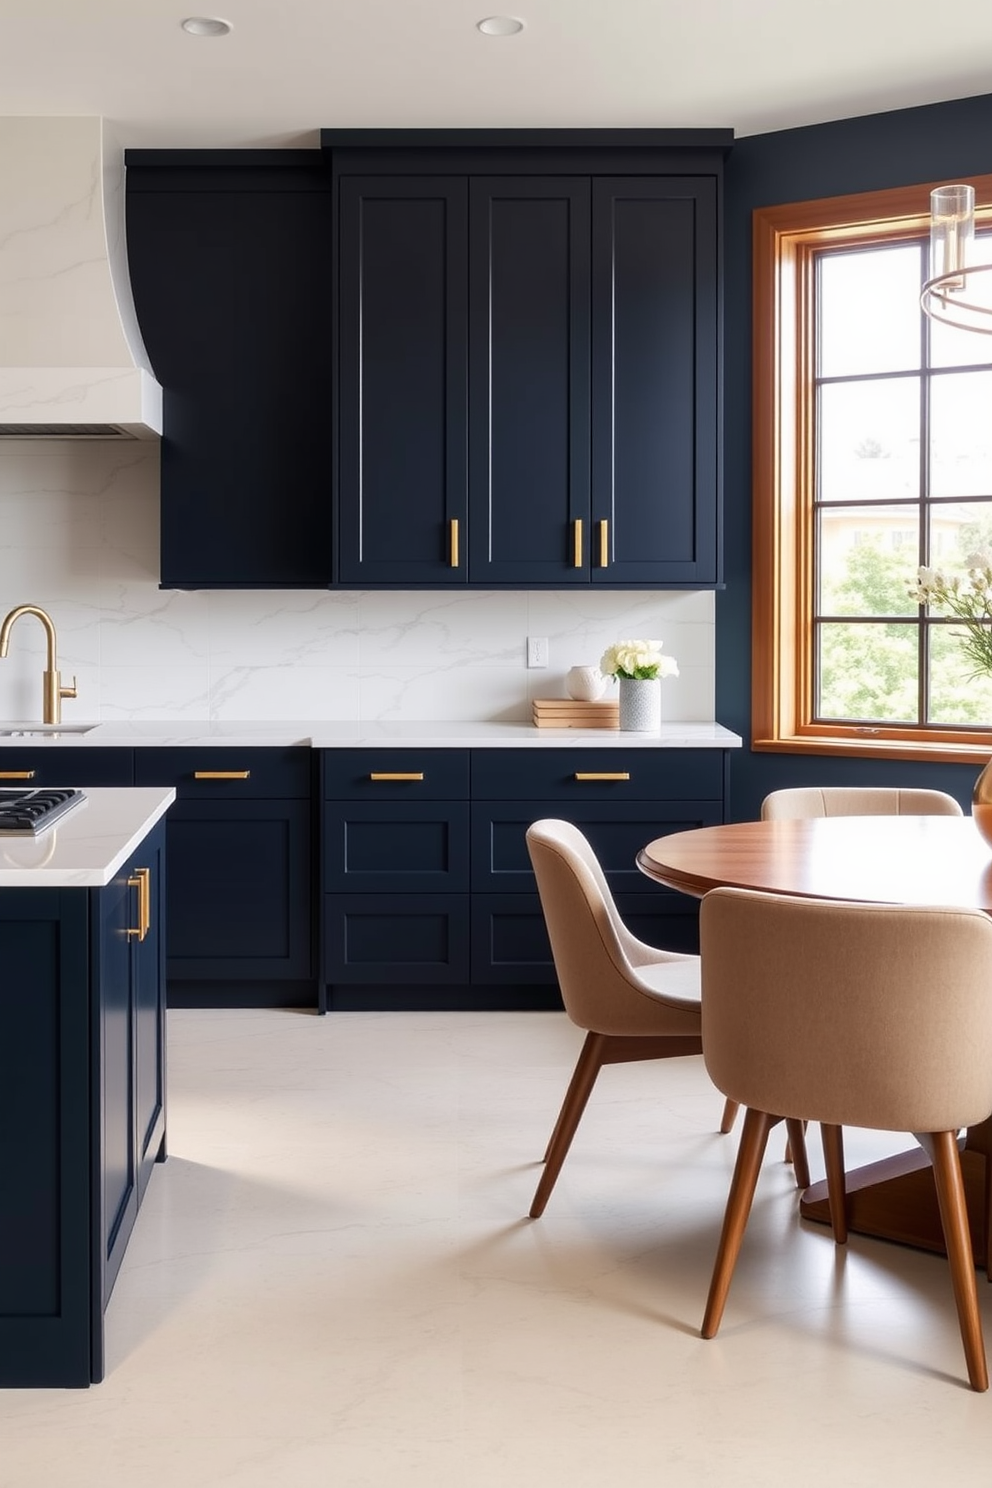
x: 221, y: 774
x: 17, y: 774
x: 396, y: 775
x: 453, y: 542
x: 602, y: 775
x: 577, y: 538
x: 142, y: 881
x: 604, y: 544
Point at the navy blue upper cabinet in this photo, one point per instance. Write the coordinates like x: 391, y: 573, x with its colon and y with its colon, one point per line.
x: 528, y: 359
x: 402, y: 400
x: 228, y: 254
x: 529, y: 381
x: 655, y: 436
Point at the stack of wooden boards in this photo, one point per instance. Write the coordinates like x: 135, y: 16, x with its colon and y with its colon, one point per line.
x: 572, y: 713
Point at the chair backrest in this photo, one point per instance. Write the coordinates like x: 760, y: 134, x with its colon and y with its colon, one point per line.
x: 844, y: 800
x: 600, y: 986
x: 873, y: 1015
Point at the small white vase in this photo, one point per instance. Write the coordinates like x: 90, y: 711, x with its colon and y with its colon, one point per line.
x: 584, y: 683
x: 640, y: 705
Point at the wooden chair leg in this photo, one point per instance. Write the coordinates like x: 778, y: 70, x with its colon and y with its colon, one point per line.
x: 954, y: 1218
x: 988, y: 1216
x: 754, y: 1139
x: 579, y: 1090
x: 832, y: 1138
x: 795, y: 1151
x: 730, y: 1109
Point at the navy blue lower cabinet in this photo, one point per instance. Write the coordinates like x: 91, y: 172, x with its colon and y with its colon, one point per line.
x: 82, y: 1109
x: 41, y: 765
x: 382, y: 847
x: 239, y: 890
x: 397, y: 939
x: 617, y: 832
x: 428, y: 893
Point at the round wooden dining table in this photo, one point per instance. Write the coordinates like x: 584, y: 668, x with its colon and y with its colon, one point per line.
x: 881, y: 859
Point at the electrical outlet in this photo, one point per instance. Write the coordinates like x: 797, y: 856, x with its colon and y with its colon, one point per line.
x: 537, y: 651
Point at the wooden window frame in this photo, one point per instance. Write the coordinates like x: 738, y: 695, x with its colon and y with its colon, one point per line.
x: 784, y: 241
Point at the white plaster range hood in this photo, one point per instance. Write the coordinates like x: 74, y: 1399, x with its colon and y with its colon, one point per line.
x: 72, y: 362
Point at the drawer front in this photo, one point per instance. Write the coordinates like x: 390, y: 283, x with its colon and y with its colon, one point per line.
x: 396, y: 938
x: 226, y: 774
x: 383, y: 848
x: 597, y: 774
x: 501, y: 863
x: 395, y: 774
x: 80, y: 767
x: 510, y: 944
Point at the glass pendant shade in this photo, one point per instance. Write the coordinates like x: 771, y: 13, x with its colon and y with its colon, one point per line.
x: 952, y: 229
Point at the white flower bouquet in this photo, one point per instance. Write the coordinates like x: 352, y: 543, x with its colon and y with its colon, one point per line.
x: 640, y: 661
x: 968, y: 599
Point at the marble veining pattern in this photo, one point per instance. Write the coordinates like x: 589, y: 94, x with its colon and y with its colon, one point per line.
x: 79, y: 536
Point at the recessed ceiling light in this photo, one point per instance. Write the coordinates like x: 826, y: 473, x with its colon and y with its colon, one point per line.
x: 500, y: 26
x: 206, y: 26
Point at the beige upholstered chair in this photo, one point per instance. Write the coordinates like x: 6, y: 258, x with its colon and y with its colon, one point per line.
x: 870, y: 1015
x: 843, y: 800
x: 797, y: 802
x: 635, y: 1002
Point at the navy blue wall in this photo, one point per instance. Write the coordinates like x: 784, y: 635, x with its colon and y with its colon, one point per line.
x: 942, y: 142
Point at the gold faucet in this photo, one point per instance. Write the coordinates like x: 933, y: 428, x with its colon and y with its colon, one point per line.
x: 52, y: 690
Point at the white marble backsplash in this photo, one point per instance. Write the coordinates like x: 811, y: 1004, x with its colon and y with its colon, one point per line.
x: 79, y: 536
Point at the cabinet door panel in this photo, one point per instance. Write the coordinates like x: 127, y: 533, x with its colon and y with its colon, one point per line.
x: 403, y: 375
x: 500, y: 860
x: 655, y: 388
x: 234, y: 300
x: 529, y: 379
x: 385, y: 848
x: 238, y: 890
x: 396, y: 938
x: 510, y: 944
x: 45, y: 1123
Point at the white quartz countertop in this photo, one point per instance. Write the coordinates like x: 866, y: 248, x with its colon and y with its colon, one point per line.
x: 87, y: 846
x: 446, y: 734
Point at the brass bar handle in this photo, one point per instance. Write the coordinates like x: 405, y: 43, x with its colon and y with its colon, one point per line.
x: 577, y: 543
x: 602, y: 774
x: 453, y: 542
x: 396, y: 775
x: 17, y: 774
x: 604, y: 544
x: 221, y: 774
x: 142, y: 881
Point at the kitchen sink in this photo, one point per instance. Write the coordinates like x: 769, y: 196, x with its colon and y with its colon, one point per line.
x: 45, y: 730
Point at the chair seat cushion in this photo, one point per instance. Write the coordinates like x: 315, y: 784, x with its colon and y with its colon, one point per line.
x: 675, y: 981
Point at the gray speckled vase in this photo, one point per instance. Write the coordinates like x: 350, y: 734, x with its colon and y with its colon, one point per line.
x: 640, y: 705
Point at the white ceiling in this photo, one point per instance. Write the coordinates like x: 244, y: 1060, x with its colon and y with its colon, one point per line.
x: 291, y: 67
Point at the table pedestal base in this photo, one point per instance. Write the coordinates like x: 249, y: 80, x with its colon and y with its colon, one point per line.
x: 896, y: 1199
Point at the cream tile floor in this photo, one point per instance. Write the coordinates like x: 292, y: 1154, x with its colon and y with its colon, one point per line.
x: 331, y: 1283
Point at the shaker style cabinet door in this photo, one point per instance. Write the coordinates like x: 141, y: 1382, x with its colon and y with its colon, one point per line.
x: 655, y: 359
x: 529, y: 380
x: 402, y: 349
x: 228, y: 265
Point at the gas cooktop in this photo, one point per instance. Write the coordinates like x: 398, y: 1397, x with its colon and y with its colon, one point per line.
x: 34, y: 811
